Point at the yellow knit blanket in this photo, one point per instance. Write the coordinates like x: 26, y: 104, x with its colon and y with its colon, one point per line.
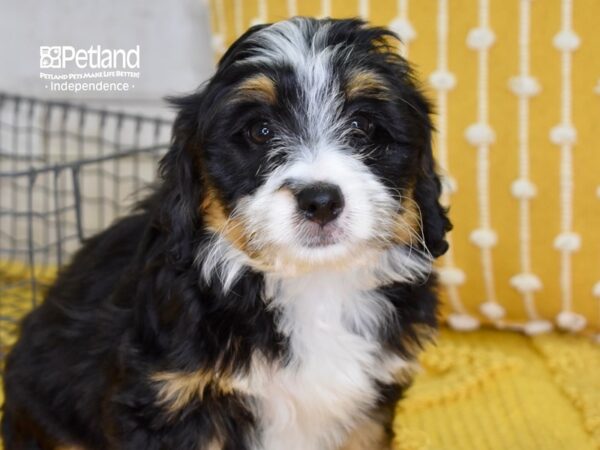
x: 492, y: 390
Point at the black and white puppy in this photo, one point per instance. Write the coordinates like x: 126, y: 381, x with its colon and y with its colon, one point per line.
x: 273, y: 292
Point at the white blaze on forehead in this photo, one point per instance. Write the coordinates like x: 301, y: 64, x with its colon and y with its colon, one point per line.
x: 303, y: 46
x: 297, y: 42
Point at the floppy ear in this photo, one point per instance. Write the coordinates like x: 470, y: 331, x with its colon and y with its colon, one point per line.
x: 427, y: 187
x: 181, y: 190
x: 167, y: 248
x: 435, y: 220
x: 417, y: 129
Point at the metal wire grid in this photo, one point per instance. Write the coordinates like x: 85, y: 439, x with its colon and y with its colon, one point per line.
x: 66, y: 172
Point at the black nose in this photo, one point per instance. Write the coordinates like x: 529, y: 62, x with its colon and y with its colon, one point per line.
x: 320, y: 202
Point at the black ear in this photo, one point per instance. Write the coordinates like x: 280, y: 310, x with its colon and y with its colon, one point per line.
x: 435, y: 222
x: 417, y: 129
x: 180, y: 192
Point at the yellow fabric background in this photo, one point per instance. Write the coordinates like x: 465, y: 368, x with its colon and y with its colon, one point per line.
x: 545, y: 156
x: 491, y: 390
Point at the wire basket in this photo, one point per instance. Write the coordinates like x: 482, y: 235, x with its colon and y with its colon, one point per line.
x: 66, y: 172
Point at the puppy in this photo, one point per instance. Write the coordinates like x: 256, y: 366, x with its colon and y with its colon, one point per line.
x: 274, y: 290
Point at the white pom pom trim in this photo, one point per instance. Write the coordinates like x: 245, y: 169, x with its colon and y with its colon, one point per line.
x: 566, y: 41
x: 523, y: 189
x: 567, y: 241
x: 451, y: 276
x: 442, y: 80
x: 534, y: 327
x: 563, y: 134
x: 570, y: 321
x: 526, y: 282
x: 524, y: 86
x: 404, y: 29
x: 480, y: 38
x: 596, y: 290
x: 480, y: 134
x: 463, y: 322
x: 484, y: 237
x: 492, y: 310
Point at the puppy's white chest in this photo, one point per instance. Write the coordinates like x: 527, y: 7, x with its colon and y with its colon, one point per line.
x: 311, y: 401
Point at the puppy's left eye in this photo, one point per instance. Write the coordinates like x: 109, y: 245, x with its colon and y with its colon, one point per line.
x: 362, y: 126
x: 260, y: 132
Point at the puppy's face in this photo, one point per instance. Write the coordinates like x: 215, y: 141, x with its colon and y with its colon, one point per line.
x: 313, y: 142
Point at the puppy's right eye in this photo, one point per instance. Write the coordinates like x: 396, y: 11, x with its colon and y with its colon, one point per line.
x: 362, y: 126
x: 260, y: 132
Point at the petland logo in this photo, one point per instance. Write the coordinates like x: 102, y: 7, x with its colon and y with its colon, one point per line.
x: 95, y: 57
x: 86, y: 69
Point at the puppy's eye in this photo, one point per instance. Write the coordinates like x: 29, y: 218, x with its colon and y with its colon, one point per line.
x: 260, y: 132
x: 361, y: 126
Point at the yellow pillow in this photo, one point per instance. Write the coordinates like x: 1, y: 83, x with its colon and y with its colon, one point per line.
x: 517, y: 88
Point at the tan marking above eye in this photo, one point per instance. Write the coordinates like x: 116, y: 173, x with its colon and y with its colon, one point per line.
x: 366, y: 83
x: 258, y: 87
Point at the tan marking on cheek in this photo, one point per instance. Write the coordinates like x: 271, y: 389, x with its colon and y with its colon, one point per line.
x: 366, y: 84
x: 178, y: 389
x: 408, y: 221
x: 259, y: 87
x: 218, y: 220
